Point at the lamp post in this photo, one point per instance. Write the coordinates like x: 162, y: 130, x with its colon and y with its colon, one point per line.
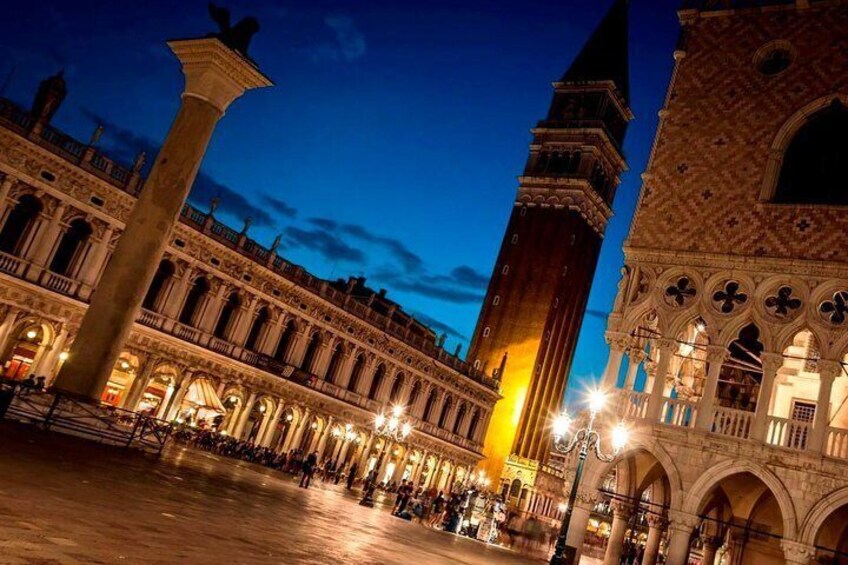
x: 348, y: 436
x: 388, y: 428
x: 585, y: 439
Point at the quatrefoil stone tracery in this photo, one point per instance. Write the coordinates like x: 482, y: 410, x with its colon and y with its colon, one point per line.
x: 835, y: 310
x: 680, y: 293
x: 782, y: 304
x: 729, y: 297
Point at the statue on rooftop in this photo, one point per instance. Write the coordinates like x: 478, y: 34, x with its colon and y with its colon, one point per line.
x: 236, y: 37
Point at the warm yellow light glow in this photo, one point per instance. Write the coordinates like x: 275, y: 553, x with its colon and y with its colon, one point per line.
x: 393, y: 423
x: 597, y: 400
x: 261, y: 408
x: 31, y: 334
x: 620, y: 437
x: 397, y: 411
x: 563, y: 507
x: 562, y: 425
x: 224, y: 432
x: 63, y: 356
x: 289, y: 417
x: 406, y: 430
x: 380, y: 420
x: 125, y: 365
x: 314, y: 425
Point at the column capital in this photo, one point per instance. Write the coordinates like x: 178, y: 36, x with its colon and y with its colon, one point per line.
x: 797, y: 553
x: 771, y: 361
x: 656, y: 521
x: 667, y: 345
x: 681, y: 521
x: 618, y: 341
x: 621, y: 509
x: 829, y: 369
x: 717, y: 354
x: 711, y: 542
x: 214, y: 72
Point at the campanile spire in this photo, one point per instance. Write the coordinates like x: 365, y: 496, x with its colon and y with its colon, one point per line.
x: 538, y: 291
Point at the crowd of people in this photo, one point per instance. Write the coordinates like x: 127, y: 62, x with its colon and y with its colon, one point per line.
x: 465, y: 511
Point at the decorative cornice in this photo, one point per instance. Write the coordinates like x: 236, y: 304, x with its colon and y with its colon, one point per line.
x: 565, y: 193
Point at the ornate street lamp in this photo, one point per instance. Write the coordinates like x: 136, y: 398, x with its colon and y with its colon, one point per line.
x: 586, y: 439
x: 392, y: 429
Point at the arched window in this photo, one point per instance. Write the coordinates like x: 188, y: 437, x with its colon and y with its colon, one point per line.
x: 256, y: 329
x: 311, y: 352
x: 414, y: 394
x: 199, y: 290
x: 472, y: 427
x: 428, y: 407
x: 70, y: 247
x: 397, y: 387
x: 377, y: 381
x: 282, y: 351
x: 157, y: 285
x: 229, y: 310
x: 19, y: 223
x: 741, y: 374
x: 443, y: 417
x: 814, y: 165
x: 335, y: 364
x: 460, y: 416
x: 356, y: 373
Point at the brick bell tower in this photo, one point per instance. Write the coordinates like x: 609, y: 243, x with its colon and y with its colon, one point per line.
x: 536, y: 299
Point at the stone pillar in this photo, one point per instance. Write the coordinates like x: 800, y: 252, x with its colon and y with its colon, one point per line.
x: 681, y: 526
x: 215, y: 76
x: 366, y: 453
x: 272, y: 425
x: 245, y: 414
x: 5, y: 187
x: 772, y: 362
x: 173, y: 305
x: 616, y: 355
x: 710, y: 547
x: 828, y: 371
x: 634, y: 360
x: 621, y: 513
x: 243, y: 322
x: 10, y: 315
x: 656, y: 527
x: 325, y: 433
x: 666, y: 349
x: 47, y: 239
x: 577, y: 527
x: 95, y: 262
x: 797, y: 553
x: 716, y: 356
x: 51, y: 365
x: 139, y: 384
x: 304, y: 422
x: 177, y: 396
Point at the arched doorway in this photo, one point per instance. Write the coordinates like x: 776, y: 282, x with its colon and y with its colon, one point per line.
x: 157, y: 392
x: 24, y: 352
x: 832, y: 538
x: 121, y: 379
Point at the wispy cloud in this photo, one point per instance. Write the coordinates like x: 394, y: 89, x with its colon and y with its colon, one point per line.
x: 347, y: 43
x: 324, y: 243
x: 396, y: 248
x: 123, y: 145
x: 440, y: 327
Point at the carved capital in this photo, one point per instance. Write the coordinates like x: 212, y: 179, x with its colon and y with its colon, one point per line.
x: 797, y: 553
x: 771, y: 361
x: 656, y: 522
x: 682, y: 522
x: 621, y: 509
x: 829, y: 369
x: 665, y: 345
x: 717, y: 354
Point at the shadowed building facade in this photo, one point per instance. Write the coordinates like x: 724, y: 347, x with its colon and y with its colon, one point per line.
x: 536, y: 299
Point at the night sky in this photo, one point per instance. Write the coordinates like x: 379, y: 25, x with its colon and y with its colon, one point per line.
x: 391, y: 143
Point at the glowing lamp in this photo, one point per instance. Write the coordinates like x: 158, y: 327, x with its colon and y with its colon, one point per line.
x: 32, y: 334
x: 597, y: 400
x: 406, y: 430
x: 125, y: 365
x: 63, y: 356
x: 397, y: 411
x: 620, y: 437
x: 562, y: 507
x: 380, y: 420
x: 562, y: 425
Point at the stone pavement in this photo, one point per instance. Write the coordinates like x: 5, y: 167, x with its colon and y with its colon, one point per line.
x: 66, y: 501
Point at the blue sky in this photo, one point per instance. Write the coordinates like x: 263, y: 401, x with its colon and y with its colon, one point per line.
x: 391, y: 143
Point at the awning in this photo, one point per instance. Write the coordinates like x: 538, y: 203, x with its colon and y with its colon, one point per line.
x: 201, y: 395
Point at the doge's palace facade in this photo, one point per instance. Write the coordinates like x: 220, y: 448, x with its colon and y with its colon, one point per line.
x: 297, y: 362
x: 728, y: 337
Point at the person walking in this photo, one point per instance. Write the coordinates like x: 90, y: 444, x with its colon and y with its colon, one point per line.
x: 351, y: 475
x: 308, y: 469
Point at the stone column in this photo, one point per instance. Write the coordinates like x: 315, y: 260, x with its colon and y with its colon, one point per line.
x: 243, y: 322
x: 272, y: 425
x: 797, y: 553
x: 710, y: 547
x: 772, y: 362
x: 95, y: 262
x: 215, y: 76
x: 656, y: 527
x: 621, y: 513
x: 139, y: 384
x: 577, y: 527
x: 716, y: 356
x: 5, y: 187
x: 666, y: 349
x: 634, y: 360
x: 10, y: 315
x: 828, y: 371
x: 171, y: 308
x: 325, y: 433
x: 177, y: 396
x: 366, y: 453
x: 245, y: 414
x: 616, y: 355
x: 681, y: 527
x: 304, y: 422
x: 47, y: 239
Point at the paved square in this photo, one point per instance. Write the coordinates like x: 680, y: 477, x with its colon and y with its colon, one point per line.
x: 64, y: 500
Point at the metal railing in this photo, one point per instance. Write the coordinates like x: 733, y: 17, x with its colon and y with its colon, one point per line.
x: 65, y: 414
